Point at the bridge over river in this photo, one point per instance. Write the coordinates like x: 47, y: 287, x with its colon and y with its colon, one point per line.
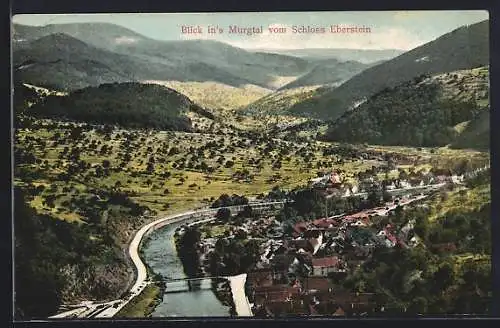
x: 181, y: 285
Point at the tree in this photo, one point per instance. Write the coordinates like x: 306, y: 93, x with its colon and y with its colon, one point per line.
x: 386, y: 196
x: 374, y: 197
x: 223, y: 214
x: 444, y: 277
x: 247, y: 211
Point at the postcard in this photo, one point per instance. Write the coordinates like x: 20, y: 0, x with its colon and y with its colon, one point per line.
x: 251, y: 164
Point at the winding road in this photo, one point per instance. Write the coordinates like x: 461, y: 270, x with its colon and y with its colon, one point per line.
x: 110, y: 309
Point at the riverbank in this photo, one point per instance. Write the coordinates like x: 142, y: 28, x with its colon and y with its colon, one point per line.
x: 143, y: 305
x: 142, y: 273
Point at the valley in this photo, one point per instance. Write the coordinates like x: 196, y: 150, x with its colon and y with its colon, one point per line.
x: 113, y: 138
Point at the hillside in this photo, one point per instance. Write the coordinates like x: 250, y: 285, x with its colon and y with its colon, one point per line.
x: 422, y: 112
x: 127, y: 104
x: 279, y: 101
x: 476, y: 134
x: 366, y: 56
x: 464, y: 48
x: 100, y: 35
x: 60, y: 61
x: 216, y: 95
x: 330, y: 71
x: 185, y: 61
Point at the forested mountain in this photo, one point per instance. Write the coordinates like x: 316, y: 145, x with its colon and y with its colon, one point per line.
x: 128, y: 104
x: 61, y: 62
x: 464, y: 48
x: 189, y: 60
x: 427, y: 111
x: 329, y: 71
x: 100, y: 35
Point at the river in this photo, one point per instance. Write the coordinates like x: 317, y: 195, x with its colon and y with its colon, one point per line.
x: 160, y: 254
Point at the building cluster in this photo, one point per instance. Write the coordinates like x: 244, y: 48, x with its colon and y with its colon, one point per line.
x: 335, y: 183
x: 300, y: 273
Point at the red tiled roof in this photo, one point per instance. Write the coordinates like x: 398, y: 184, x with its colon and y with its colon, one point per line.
x: 275, y: 292
x: 324, y: 223
x: 300, y: 227
x: 325, y: 261
x: 317, y: 283
x: 339, y: 312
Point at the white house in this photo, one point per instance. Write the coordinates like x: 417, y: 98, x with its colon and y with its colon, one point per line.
x: 324, y: 266
x: 391, y: 186
x: 404, y: 184
x: 457, y: 179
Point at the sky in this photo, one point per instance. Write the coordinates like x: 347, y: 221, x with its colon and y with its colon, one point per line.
x: 403, y: 30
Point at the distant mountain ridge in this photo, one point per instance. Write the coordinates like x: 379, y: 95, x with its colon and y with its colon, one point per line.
x: 330, y: 72
x: 62, y: 62
x: 183, y: 61
x: 365, y: 56
x: 464, y: 48
x: 190, y: 60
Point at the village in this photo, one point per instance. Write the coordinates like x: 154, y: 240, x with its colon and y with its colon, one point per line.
x: 299, y: 269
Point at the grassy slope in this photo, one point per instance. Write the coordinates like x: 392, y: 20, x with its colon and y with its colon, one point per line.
x: 280, y: 101
x: 142, y: 305
x: 469, y: 200
x: 217, y: 95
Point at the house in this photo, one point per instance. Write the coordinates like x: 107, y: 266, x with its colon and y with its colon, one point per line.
x: 339, y: 312
x: 413, y: 241
x: 325, y: 265
x: 391, y: 186
x: 334, y: 179
x: 325, y: 223
x: 317, y: 284
x: 274, y: 293
x: 388, y: 238
x: 298, y: 244
x: 442, y: 178
x: 407, y: 228
x: 315, y: 239
x: 284, y: 263
x: 359, y: 223
x: 404, y: 184
x: 293, y: 306
x: 457, y: 179
x: 260, y: 278
x: 360, y: 235
x: 300, y: 227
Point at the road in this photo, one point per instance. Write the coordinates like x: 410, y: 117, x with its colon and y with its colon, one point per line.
x: 110, y: 309
x: 394, y: 191
x: 243, y: 308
